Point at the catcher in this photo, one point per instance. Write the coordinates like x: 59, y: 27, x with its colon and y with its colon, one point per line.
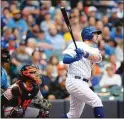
x: 18, y: 96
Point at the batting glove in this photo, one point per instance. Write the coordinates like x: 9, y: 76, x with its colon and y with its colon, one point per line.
x: 79, y: 54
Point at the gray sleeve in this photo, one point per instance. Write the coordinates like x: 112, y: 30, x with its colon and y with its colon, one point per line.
x: 39, y: 95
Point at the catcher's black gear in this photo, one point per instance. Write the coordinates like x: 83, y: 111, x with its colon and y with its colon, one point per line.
x: 43, y: 113
x: 14, y: 112
x: 44, y: 106
x: 5, y: 56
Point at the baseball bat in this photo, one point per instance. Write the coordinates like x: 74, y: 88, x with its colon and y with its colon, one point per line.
x: 68, y: 24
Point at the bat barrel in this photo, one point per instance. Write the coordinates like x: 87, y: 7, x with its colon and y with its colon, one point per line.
x: 68, y: 23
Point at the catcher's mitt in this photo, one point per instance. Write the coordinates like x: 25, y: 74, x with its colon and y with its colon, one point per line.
x: 45, y: 104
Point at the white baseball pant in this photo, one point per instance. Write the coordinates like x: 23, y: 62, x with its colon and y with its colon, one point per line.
x: 80, y: 93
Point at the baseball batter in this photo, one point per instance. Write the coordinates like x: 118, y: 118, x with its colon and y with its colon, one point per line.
x: 80, y: 62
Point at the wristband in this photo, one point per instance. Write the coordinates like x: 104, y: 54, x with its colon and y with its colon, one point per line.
x: 87, y: 55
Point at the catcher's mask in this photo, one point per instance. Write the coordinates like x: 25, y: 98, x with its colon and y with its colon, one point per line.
x: 5, y: 56
x: 30, y: 72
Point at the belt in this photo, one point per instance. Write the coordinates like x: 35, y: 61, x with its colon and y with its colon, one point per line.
x: 78, y: 77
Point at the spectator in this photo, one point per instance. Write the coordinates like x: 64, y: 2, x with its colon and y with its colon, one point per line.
x: 55, y: 39
x: 79, y: 6
x: 117, y: 34
x: 57, y: 86
x: 46, y: 23
x: 36, y: 58
x: 99, y: 25
x: 47, y: 6
x: 29, y: 8
x: 92, y: 21
x: 41, y: 41
x: 76, y: 12
x: 106, y: 34
x: 5, y: 17
x: 92, y: 10
x: 120, y: 71
x: 60, y: 92
x: 48, y: 80
x: 62, y: 71
x: 18, y: 22
x: 15, y: 32
x: 110, y: 4
x: 64, y: 4
x: 41, y: 37
x: 120, y: 13
x: 110, y: 79
x: 13, y: 8
x: 59, y: 23
x: 51, y: 97
x: 105, y: 20
x: 43, y: 61
x: 33, y: 32
x: 96, y: 75
x: 5, y: 58
x: 101, y: 46
x: 119, y: 51
x: 4, y: 40
x: 83, y: 20
x: 12, y: 44
x: 77, y: 35
x: 19, y: 58
x: 110, y: 47
x: 30, y: 21
x: 53, y: 60
x: 113, y: 62
x: 96, y: 70
x: 113, y: 19
x: 31, y: 45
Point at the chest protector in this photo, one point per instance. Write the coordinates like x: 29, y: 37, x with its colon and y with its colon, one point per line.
x: 27, y: 96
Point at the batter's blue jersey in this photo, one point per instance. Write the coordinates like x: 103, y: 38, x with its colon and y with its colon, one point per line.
x: 4, y: 79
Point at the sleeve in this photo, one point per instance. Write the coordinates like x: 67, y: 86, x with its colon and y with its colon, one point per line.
x: 11, y: 92
x: 8, y: 94
x: 10, y: 24
x: 102, y: 82
x: 4, y: 80
x: 25, y: 27
x: 96, y: 51
x: 119, y: 81
x: 70, y: 50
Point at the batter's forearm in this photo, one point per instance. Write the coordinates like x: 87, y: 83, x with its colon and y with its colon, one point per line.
x: 93, y: 57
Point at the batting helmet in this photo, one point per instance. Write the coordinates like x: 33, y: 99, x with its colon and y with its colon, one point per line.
x: 87, y: 32
x: 30, y: 72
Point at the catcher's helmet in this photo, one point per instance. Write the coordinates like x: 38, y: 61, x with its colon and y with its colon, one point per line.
x: 5, y: 56
x: 87, y: 32
x: 30, y: 72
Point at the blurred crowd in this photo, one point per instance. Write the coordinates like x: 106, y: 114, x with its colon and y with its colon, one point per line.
x: 34, y: 32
